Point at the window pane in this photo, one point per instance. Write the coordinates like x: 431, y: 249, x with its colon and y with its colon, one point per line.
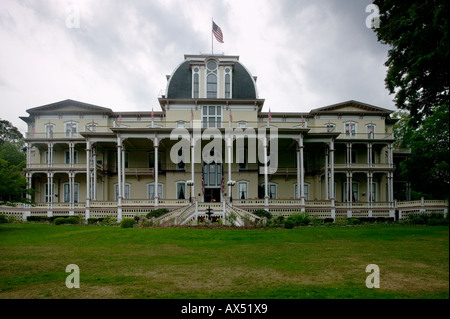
x: 75, y: 193
x: 219, y: 110
x: 181, y: 190
x: 66, y: 193
x: 212, y: 175
x: 212, y: 110
x: 151, y: 191
x: 160, y: 190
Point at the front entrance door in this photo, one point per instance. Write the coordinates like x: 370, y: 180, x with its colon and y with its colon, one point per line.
x: 212, y: 195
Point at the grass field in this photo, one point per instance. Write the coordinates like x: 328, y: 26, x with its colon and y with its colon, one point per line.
x: 300, y: 263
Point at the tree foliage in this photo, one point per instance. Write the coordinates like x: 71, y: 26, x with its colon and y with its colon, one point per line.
x: 427, y: 166
x: 418, y: 60
x: 12, y: 162
x: 9, y: 133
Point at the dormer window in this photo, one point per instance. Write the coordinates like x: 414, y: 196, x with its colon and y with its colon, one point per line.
x: 71, y: 128
x: 211, y: 85
x: 211, y: 79
x: 370, y: 129
x: 350, y: 128
x: 49, y: 130
x: 196, y: 83
x: 228, y: 83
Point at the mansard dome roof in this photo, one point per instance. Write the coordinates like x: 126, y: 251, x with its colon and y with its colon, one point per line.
x: 179, y: 85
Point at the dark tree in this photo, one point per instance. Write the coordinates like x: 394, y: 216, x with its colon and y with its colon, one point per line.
x: 13, y: 185
x: 427, y: 165
x: 418, y: 59
x: 9, y: 133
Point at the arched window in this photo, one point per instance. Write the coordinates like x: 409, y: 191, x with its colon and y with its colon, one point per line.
x: 227, y: 86
x: 151, y: 190
x: 243, y: 190
x: 126, y: 194
x: 196, y: 87
x: 211, y: 86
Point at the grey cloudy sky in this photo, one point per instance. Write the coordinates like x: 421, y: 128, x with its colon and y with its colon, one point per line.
x: 306, y: 54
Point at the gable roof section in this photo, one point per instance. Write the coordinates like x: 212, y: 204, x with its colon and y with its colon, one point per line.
x: 69, y: 106
x: 351, y: 107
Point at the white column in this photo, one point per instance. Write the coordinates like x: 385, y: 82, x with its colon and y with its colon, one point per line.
x: 71, y: 193
x: 119, y: 178
x: 391, y: 194
x: 29, y: 183
x: 156, y: 144
x: 350, y: 193
x: 297, y: 195
x: 50, y: 155
x: 50, y: 194
x: 28, y: 154
x: 230, y: 189
x: 390, y: 156
x: 88, y: 178
x: 193, y: 197
x: 123, y: 171
x: 369, y: 192
x: 94, y: 184
x: 266, y: 178
x: 302, y: 175
x: 327, y: 194
x: 333, y: 210
x: 27, y: 212
x: 71, y: 154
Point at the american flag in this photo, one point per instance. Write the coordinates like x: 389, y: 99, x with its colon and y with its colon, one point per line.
x: 192, y: 114
x: 153, y: 115
x: 217, y: 31
x: 231, y: 116
x: 270, y: 116
x: 119, y: 120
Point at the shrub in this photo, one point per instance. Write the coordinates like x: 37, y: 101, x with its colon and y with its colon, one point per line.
x: 353, y: 221
x: 301, y: 219
x: 289, y: 223
x: 328, y: 220
x: 107, y: 221
x: 127, y: 223
x: 95, y: 220
x: 72, y: 220
x: 144, y: 222
x: 38, y: 219
x: 66, y: 220
x: 60, y: 220
x: 262, y: 213
x: 157, y: 212
x: 3, y: 219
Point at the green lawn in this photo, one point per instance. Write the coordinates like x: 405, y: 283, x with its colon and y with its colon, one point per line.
x: 300, y: 263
